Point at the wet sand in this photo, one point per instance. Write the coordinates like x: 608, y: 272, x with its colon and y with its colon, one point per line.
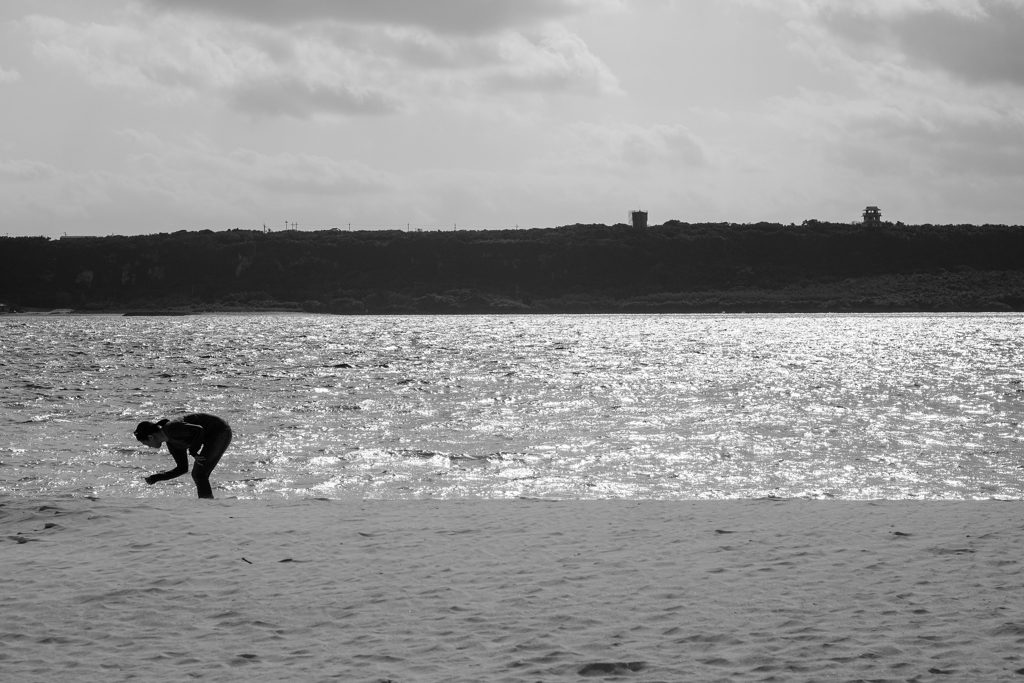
x: 764, y: 590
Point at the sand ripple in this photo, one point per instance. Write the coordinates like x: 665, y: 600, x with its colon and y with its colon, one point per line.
x: 768, y: 590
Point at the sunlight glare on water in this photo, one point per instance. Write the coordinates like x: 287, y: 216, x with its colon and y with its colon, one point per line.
x: 632, y: 406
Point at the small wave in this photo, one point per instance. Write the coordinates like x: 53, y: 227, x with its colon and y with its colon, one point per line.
x: 41, y: 418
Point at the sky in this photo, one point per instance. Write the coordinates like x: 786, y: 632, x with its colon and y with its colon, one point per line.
x: 143, y: 116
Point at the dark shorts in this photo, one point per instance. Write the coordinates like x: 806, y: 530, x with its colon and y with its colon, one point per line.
x: 213, y: 448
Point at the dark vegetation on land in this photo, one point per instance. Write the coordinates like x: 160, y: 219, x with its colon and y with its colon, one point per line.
x: 675, y: 267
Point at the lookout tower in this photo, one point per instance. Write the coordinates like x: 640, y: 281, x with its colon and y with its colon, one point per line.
x: 638, y: 219
x: 872, y: 216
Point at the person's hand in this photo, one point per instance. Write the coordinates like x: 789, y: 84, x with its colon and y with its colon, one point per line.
x: 151, y: 479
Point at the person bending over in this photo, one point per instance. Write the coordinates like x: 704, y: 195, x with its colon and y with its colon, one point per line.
x: 206, y: 437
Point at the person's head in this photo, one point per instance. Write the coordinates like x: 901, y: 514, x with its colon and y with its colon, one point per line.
x: 149, y: 433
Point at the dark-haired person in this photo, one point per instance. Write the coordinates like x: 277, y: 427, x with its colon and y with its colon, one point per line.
x: 205, y: 436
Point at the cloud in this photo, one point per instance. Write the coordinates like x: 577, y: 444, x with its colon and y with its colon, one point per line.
x: 25, y: 170
x: 983, y: 46
x: 879, y: 8
x: 318, y: 69
x: 289, y: 96
x: 882, y: 137
x: 936, y: 86
x: 615, y: 147
x: 976, y: 41
x: 9, y: 75
x: 304, y: 174
x: 247, y: 173
x: 464, y: 17
x: 556, y: 62
x: 161, y: 185
x: 167, y: 59
x: 31, y: 187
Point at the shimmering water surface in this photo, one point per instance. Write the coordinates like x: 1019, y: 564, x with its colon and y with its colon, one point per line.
x: 646, y: 407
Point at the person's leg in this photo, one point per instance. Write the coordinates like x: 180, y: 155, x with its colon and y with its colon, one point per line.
x: 201, y: 476
x: 207, y: 459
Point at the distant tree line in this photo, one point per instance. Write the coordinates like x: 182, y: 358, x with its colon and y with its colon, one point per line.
x: 674, y: 267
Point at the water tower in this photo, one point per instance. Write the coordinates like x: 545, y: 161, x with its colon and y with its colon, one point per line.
x: 638, y: 219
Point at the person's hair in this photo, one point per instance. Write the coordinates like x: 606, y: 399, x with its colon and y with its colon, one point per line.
x: 144, y: 429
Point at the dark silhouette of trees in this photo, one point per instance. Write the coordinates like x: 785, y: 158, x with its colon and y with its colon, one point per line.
x: 674, y: 267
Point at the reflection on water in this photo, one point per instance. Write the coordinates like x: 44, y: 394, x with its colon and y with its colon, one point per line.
x: 652, y: 407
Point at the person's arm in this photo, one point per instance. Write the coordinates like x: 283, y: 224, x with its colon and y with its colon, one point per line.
x: 180, y: 466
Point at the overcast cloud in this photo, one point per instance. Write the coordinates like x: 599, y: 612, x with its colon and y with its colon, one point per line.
x: 981, y: 46
x: 313, y: 68
x: 134, y: 115
x: 467, y: 17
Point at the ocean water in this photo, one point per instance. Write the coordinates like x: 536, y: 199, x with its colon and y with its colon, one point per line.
x: 567, y: 407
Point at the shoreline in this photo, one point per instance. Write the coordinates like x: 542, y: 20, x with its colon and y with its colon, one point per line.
x: 470, y: 590
x: 128, y: 313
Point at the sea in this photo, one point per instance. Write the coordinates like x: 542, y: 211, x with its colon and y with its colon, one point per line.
x: 636, y: 407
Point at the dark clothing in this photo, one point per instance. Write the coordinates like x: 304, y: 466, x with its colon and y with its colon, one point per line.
x: 206, y: 437
x: 213, y: 448
x: 193, y: 431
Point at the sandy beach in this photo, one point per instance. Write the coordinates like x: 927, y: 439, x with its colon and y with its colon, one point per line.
x: 759, y: 590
